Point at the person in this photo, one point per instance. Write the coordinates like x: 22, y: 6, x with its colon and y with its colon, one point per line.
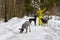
x: 40, y: 16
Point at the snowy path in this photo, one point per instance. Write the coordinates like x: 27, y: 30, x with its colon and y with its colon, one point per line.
x: 38, y: 33
x: 9, y: 31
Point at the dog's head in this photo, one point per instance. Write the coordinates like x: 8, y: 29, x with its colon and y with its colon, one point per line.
x: 30, y: 20
x: 21, y: 30
x: 45, y: 20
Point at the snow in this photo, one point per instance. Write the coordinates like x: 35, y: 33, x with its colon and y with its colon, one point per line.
x: 10, y: 30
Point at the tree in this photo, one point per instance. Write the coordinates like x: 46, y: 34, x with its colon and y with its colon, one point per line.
x: 28, y: 7
x: 48, y: 3
x: 6, y: 10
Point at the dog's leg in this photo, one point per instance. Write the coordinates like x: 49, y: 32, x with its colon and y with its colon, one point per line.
x: 35, y: 22
x: 29, y: 29
x: 26, y: 30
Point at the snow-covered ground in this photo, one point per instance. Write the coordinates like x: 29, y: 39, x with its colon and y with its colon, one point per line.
x: 10, y: 30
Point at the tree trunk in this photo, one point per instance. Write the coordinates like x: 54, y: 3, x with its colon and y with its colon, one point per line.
x: 6, y: 10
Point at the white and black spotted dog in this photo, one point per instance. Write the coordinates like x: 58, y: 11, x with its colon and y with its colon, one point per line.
x: 25, y: 26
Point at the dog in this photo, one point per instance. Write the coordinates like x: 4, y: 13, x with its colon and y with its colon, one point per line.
x: 44, y: 20
x: 33, y: 19
x: 25, y: 26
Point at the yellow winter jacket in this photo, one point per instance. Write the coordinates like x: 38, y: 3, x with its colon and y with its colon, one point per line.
x: 40, y: 12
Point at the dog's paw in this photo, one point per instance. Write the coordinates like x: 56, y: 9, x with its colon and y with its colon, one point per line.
x: 25, y: 32
x: 29, y: 30
x: 21, y: 32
